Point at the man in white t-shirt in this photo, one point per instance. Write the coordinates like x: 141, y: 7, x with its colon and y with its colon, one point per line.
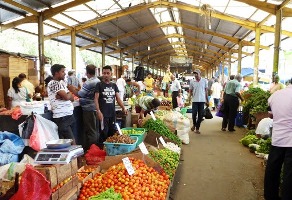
x: 280, y: 154
x: 61, y: 102
x: 216, y: 90
x: 121, y: 83
x: 176, y: 89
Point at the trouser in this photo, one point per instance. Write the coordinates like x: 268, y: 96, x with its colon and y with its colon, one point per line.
x: 109, y: 128
x: 174, y: 100
x: 90, y: 126
x: 277, y: 157
x: 65, y: 126
x: 197, y: 109
x: 216, y: 102
x: 231, y: 104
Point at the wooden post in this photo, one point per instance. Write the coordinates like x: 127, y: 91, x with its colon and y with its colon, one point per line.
x: 103, y: 54
x: 73, y: 48
x: 239, y: 58
x: 277, y: 41
x: 133, y: 63
x: 256, y: 56
x: 229, y: 64
x: 41, y: 49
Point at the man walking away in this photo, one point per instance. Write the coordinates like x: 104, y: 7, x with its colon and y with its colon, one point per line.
x: 199, y: 92
x: 281, y: 149
x: 231, y: 103
x: 176, y: 89
x: 105, y: 94
x: 121, y: 83
x: 61, y: 102
x: 86, y: 99
x: 216, y: 90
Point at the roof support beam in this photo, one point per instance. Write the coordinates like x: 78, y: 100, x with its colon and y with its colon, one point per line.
x: 25, y: 8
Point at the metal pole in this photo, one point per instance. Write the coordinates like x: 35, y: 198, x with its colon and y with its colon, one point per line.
x: 256, y: 56
x: 103, y: 54
x: 73, y: 48
x: 41, y: 49
x: 239, y: 58
x: 277, y: 42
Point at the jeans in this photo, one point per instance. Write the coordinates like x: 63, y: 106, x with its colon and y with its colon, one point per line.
x: 197, y: 109
x: 65, y: 126
x: 91, y: 124
x: 277, y: 157
x: 174, y: 100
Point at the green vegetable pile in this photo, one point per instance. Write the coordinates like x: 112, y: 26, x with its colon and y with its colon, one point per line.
x: 265, y: 145
x: 167, y: 159
x: 109, y: 194
x: 251, y: 132
x: 249, y: 139
x: 159, y: 127
x: 256, y: 100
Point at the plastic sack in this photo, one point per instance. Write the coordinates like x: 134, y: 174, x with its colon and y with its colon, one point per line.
x: 220, y: 111
x: 33, y: 186
x: 263, y: 128
x: 94, y: 155
x: 207, y: 113
x: 183, y: 134
x: 43, y: 131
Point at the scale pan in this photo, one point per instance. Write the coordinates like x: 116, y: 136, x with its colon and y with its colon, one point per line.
x: 59, y: 144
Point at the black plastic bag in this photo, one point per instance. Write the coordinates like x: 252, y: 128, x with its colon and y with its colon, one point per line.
x: 28, y: 127
x: 207, y: 113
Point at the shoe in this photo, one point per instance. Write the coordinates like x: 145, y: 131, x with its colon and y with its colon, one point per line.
x: 198, y: 132
x: 231, y: 130
x: 223, y: 129
x: 193, y: 128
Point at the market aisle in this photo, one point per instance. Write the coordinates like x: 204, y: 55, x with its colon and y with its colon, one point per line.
x: 217, y: 167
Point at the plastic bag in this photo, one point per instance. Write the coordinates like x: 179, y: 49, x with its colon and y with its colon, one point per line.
x: 207, y: 113
x: 220, y: 110
x: 33, y: 186
x: 94, y: 155
x: 26, y: 127
x: 43, y: 131
x: 183, y: 134
x: 263, y: 128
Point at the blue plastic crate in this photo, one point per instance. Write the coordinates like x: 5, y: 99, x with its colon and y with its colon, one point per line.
x: 113, y: 149
x: 239, y: 119
x: 140, y: 136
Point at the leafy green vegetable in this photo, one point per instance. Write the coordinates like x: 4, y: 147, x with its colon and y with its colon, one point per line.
x: 256, y: 100
x: 109, y: 194
x: 159, y: 127
x: 249, y: 139
x: 251, y: 132
x: 265, y: 146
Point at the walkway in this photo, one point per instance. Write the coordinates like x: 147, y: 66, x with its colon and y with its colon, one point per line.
x: 217, y: 167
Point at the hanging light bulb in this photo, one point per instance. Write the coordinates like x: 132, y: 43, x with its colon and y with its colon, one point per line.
x: 148, y: 57
x: 97, y: 31
x: 137, y: 53
x: 210, y: 26
x: 148, y: 48
x: 117, y: 43
x: 206, y: 46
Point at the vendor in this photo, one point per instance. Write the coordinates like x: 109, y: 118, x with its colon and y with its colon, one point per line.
x: 132, y: 88
x: 144, y: 105
x: 17, y: 94
x: 149, y: 83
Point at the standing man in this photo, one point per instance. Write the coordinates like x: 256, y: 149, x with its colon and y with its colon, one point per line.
x: 86, y: 99
x: 105, y: 94
x: 199, y: 92
x: 25, y: 83
x: 61, y: 102
x: 231, y: 102
x: 210, y: 83
x: 281, y: 149
x: 73, y: 80
x: 121, y: 83
x: 216, y: 90
x: 176, y: 89
x: 149, y: 83
x: 275, y: 86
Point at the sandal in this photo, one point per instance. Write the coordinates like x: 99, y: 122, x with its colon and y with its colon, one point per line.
x: 198, y: 132
x: 223, y: 129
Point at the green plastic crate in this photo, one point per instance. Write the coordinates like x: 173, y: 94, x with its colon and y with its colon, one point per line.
x: 113, y: 149
x: 140, y: 136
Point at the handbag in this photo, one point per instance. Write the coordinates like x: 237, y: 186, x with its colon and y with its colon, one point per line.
x: 207, y: 113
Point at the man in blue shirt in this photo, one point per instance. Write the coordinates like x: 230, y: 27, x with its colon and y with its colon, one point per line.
x: 86, y: 95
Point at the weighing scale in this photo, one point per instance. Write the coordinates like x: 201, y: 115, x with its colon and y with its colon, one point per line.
x: 58, y: 156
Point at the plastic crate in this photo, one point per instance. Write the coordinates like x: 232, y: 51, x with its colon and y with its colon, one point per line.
x: 140, y: 136
x: 113, y: 149
x: 239, y: 119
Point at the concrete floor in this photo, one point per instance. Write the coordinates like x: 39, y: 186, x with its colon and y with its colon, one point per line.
x: 216, y: 166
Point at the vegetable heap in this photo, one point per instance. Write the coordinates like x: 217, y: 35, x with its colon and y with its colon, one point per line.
x: 249, y: 139
x: 167, y: 159
x: 109, y: 194
x: 120, y: 139
x: 265, y: 145
x: 159, y: 127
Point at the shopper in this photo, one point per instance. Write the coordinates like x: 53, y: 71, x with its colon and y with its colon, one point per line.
x: 216, y: 90
x: 121, y: 83
x: 199, y: 93
x: 132, y: 88
x: 275, y: 86
x: 149, y: 83
x: 165, y: 82
x: 16, y: 94
x: 231, y: 103
x: 176, y: 89
x: 105, y: 94
x: 61, y: 102
x: 144, y: 105
x: 73, y: 80
x: 28, y: 85
x: 86, y: 99
x: 281, y: 149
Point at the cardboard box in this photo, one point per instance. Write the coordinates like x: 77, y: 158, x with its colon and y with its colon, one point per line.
x: 134, y: 118
x: 152, y: 138
x: 89, y: 175
x: 62, y: 193
x: 55, y: 174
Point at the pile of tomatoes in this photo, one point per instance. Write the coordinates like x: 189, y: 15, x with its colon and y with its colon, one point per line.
x: 145, y: 183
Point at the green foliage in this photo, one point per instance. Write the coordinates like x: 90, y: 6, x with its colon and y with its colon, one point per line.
x: 265, y: 146
x: 251, y: 132
x: 249, y: 139
x: 109, y: 194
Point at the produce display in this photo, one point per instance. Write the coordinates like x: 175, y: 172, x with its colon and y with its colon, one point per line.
x: 165, y: 103
x: 82, y: 173
x: 159, y: 127
x: 57, y: 187
x: 265, y: 146
x: 145, y: 183
x: 167, y: 159
x: 109, y: 194
x: 173, y: 147
x: 161, y: 113
x: 249, y: 139
x: 120, y: 139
